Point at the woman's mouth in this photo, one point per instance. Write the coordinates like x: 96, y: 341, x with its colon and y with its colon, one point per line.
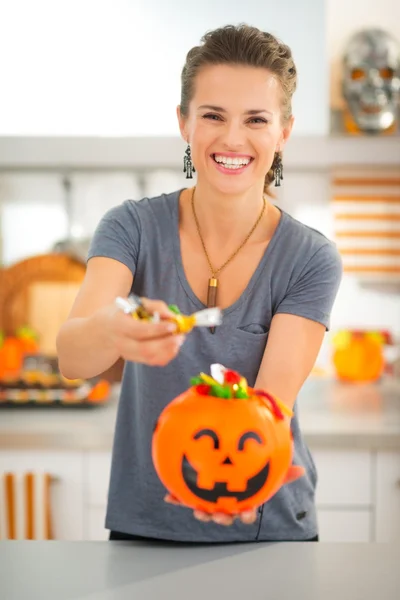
x: 231, y: 165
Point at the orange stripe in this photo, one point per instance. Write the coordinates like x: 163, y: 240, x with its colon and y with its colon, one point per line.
x: 372, y: 269
x: 369, y: 216
x: 348, y: 198
x: 363, y: 181
x: 10, y: 508
x: 371, y: 251
x: 371, y: 234
x: 29, y: 506
x: 48, y: 528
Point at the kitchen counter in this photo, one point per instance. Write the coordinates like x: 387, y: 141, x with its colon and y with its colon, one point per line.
x: 331, y: 415
x: 126, y: 570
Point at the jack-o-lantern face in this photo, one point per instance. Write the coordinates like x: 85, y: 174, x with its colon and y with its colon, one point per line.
x: 230, y: 467
x: 221, y: 455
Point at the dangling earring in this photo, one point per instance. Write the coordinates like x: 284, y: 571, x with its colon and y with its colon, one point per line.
x: 188, y: 167
x: 278, y: 170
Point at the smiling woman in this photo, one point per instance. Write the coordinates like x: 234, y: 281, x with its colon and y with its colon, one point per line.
x: 220, y: 242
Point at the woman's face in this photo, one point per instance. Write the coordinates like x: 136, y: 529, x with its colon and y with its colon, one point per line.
x: 234, y: 126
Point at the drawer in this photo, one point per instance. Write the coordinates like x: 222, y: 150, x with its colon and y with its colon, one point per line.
x: 344, y: 478
x: 97, y: 475
x: 344, y: 525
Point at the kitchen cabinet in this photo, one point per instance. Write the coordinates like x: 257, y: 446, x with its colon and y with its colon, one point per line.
x: 344, y: 495
x: 67, y: 487
x: 387, y: 496
x: 358, y: 492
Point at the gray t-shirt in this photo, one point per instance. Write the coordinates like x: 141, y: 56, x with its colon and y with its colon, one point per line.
x: 299, y: 273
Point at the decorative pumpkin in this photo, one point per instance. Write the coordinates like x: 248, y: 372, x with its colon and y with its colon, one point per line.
x: 222, y: 446
x: 100, y: 391
x: 11, y: 356
x: 28, y: 340
x: 13, y: 349
x: 358, y: 355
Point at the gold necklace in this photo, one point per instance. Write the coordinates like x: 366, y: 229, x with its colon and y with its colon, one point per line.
x: 213, y: 281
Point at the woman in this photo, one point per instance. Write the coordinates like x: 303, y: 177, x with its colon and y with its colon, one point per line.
x: 275, y: 279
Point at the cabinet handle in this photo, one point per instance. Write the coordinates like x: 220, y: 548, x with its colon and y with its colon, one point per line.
x: 398, y: 483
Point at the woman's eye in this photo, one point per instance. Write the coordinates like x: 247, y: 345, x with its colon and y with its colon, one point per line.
x: 254, y: 120
x: 212, y: 117
x: 258, y: 121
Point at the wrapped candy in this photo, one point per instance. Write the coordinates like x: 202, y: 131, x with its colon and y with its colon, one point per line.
x: 210, y: 317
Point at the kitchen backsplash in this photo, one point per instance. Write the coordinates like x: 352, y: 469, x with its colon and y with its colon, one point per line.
x: 38, y: 210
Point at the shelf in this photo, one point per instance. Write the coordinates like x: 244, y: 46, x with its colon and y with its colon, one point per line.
x: 88, y: 153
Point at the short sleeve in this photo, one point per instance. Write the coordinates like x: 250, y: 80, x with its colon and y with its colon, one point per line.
x: 314, y: 292
x: 117, y: 236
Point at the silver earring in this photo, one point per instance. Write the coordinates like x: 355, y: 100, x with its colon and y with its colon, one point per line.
x: 278, y: 170
x: 188, y: 167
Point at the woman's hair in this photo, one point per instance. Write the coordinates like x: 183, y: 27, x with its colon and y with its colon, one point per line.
x: 242, y: 45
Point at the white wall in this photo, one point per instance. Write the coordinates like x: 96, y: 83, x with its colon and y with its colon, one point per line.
x: 112, y: 67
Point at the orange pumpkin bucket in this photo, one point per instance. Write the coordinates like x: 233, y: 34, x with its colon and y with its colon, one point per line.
x: 222, y: 446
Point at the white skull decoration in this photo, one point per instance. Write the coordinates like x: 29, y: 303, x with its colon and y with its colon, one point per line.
x: 371, y: 80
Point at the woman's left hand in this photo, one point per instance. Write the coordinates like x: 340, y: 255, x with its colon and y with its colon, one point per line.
x: 247, y: 517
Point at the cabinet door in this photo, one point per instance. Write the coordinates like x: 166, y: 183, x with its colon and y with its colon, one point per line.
x: 66, y: 488
x: 97, y: 467
x: 344, y: 478
x: 388, y: 497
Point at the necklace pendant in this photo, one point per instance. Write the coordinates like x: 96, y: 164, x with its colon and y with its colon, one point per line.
x: 212, y: 296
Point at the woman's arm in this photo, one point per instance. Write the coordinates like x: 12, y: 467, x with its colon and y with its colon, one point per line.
x: 299, y: 324
x: 96, y: 333
x: 292, y: 349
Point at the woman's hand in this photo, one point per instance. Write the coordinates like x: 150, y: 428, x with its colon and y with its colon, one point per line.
x: 247, y: 517
x: 153, y: 344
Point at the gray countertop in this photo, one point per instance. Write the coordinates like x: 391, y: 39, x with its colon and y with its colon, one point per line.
x: 332, y: 415
x: 130, y: 570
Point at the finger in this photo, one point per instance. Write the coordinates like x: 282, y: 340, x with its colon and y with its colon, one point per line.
x: 222, y: 519
x: 157, y: 306
x: 144, y: 330
x: 249, y: 516
x: 170, y: 499
x: 202, y: 516
x: 158, y: 352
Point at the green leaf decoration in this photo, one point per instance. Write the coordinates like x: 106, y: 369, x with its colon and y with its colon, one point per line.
x: 241, y: 393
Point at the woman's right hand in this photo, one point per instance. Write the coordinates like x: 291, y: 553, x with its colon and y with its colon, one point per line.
x: 153, y: 344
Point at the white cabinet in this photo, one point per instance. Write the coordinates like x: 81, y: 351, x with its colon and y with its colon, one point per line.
x: 344, y: 495
x: 97, y: 467
x: 358, y: 492
x: 388, y: 497
x: 66, y: 489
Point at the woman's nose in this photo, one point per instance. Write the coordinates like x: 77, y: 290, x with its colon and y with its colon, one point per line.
x: 233, y: 136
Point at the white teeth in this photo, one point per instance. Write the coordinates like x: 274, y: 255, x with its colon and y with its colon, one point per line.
x: 231, y: 163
